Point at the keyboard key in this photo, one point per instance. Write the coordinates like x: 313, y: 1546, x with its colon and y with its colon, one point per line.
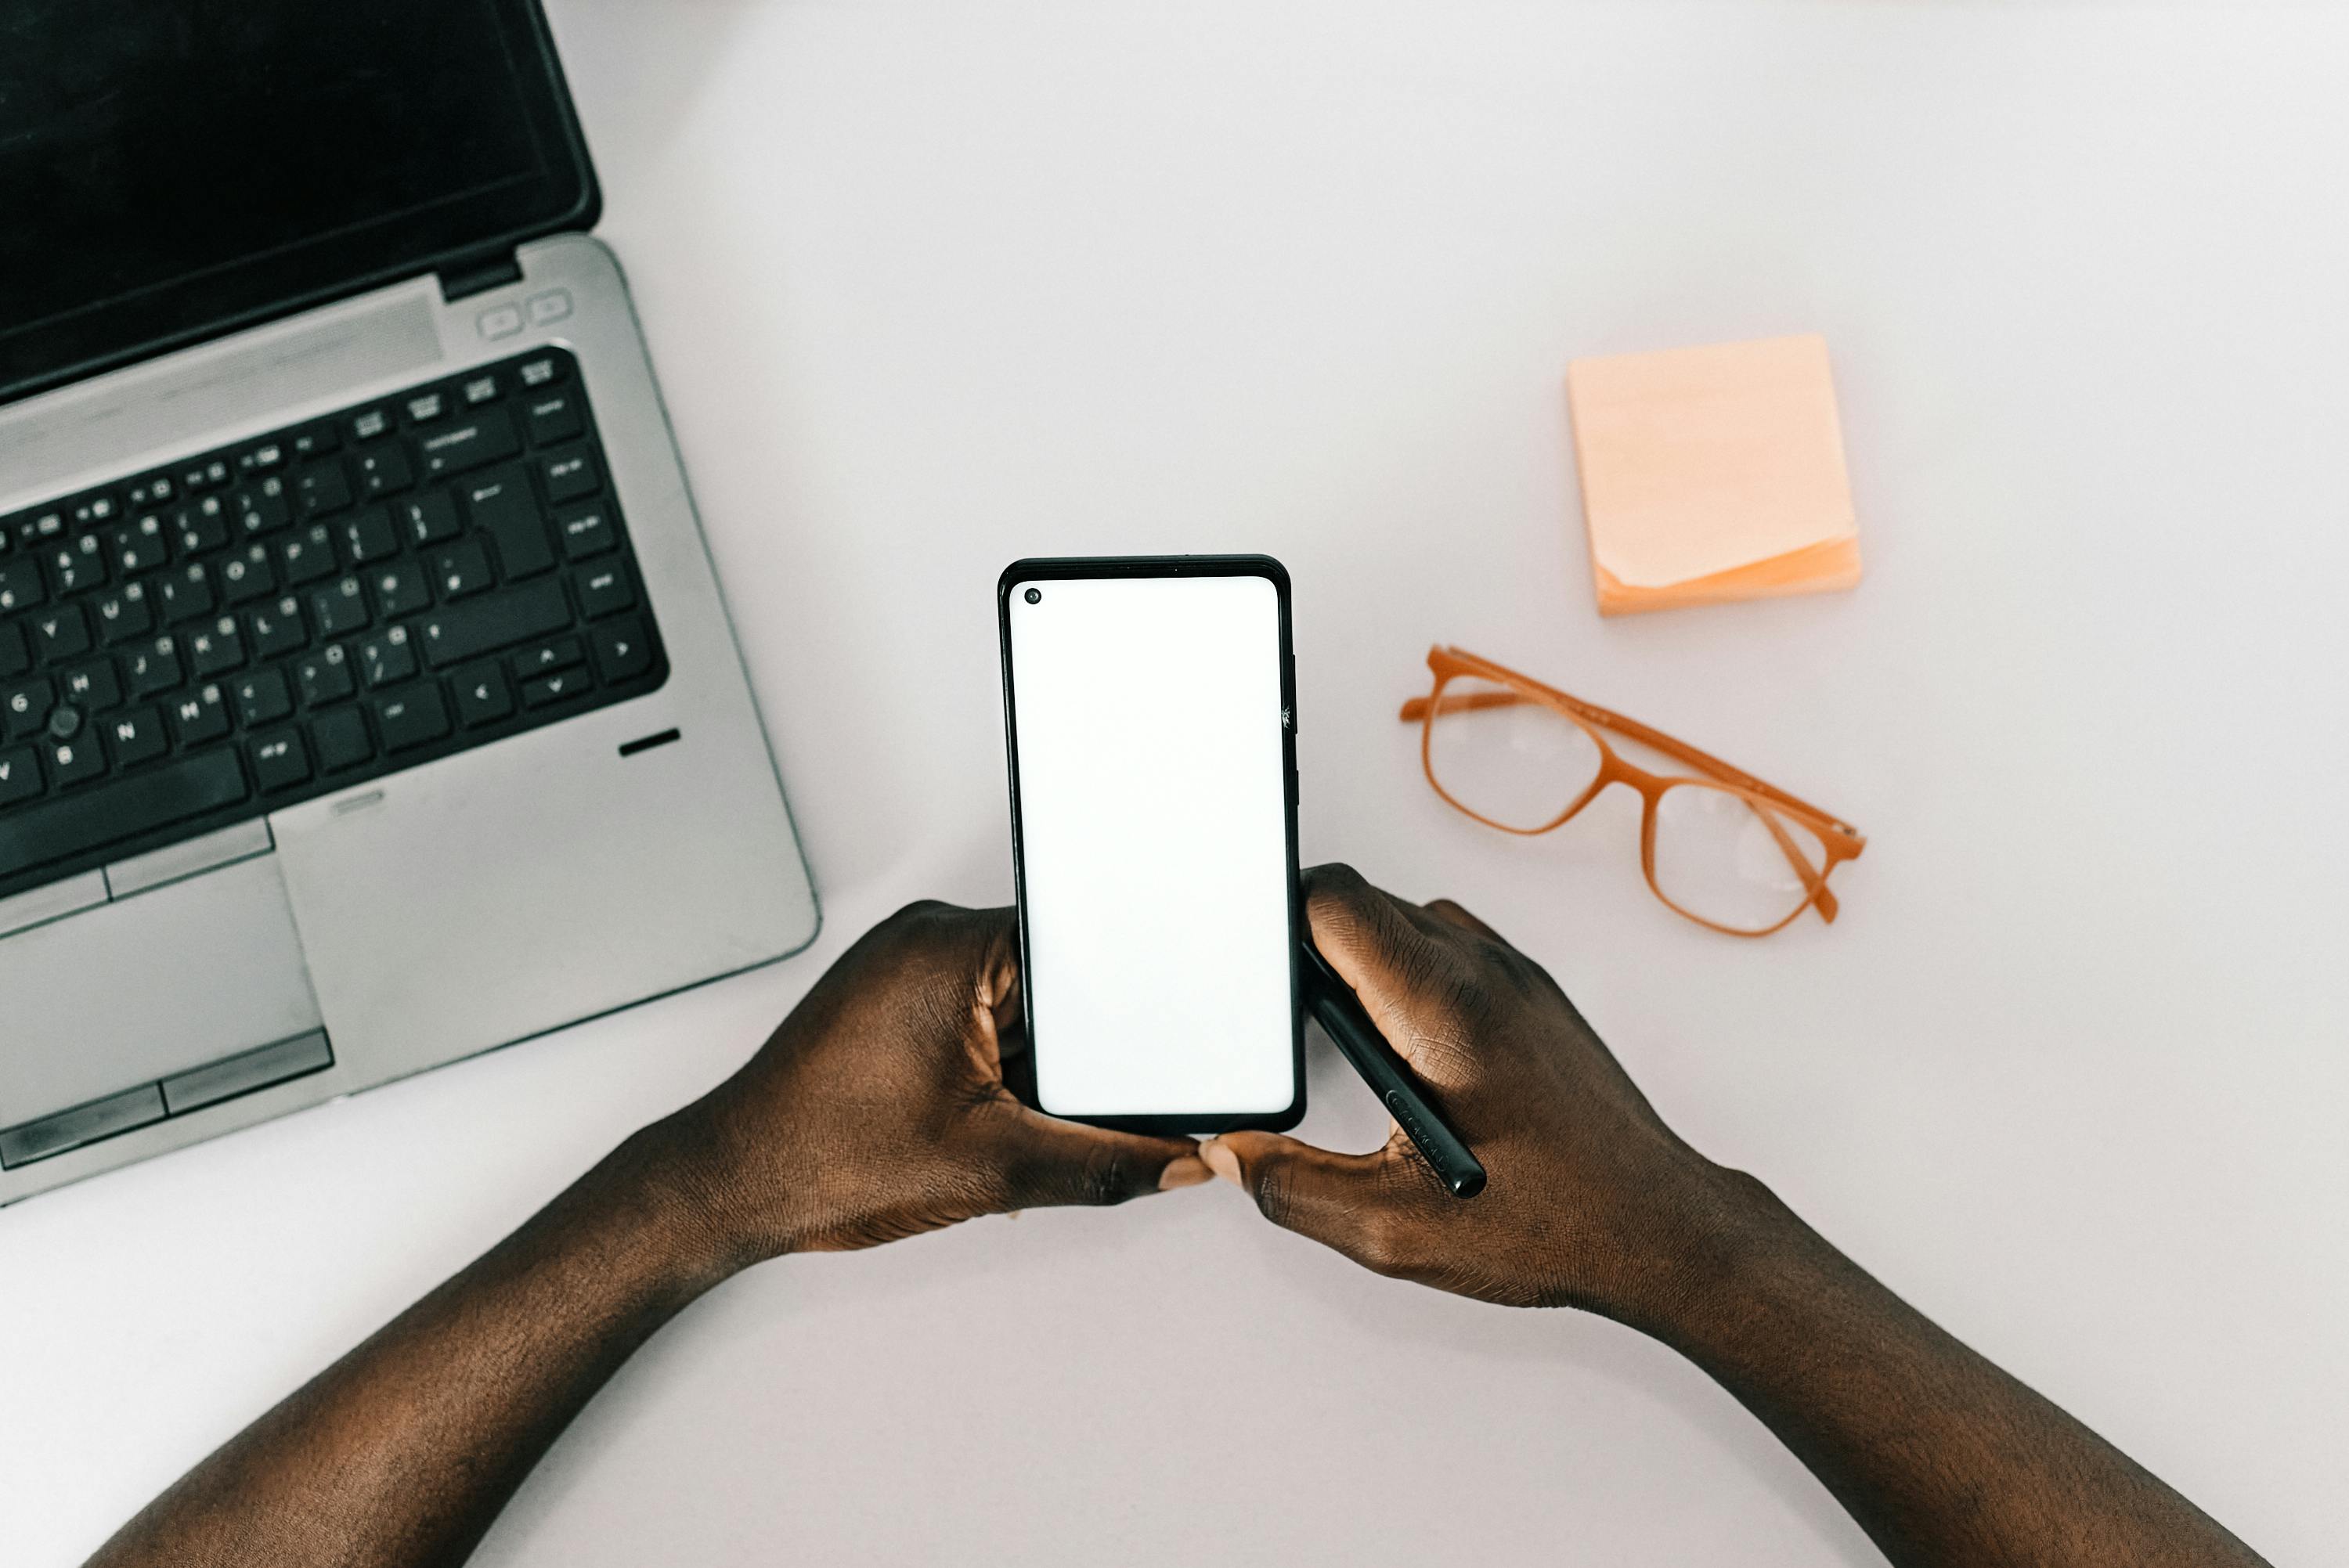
x: 340, y: 608
x: 553, y: 417
x: 543, y: 372
x: 199, y: 716
x: 262, y: 459
x: 502, y: 507
x: 24, y: 707
x: 154, y: 667
x: 399, y: 589
x: 216, y: 649
x: 138, y: 803
x: 140, y: 546
x: 323, y: 488
x: 263, y: 507
x: 316, y: 440
x: 482, y: 695
x: 486, y: 437
x: 137, y: 737
x: 93, y: 687
x: 371, y: 425
x: 262, y: 698
x: 480, y: 389
x: 429, y: 518
x: 77, y: 567
x: 185, y: 595
x: 278, y: 630
x: 382, y: 469
x: 425, y: 407
x: 124, y: 615
x: 77, y: 762
x: 20, y: 585
x: 202, y: 526
x: 369, y: 536
x: 585, y: 531
x: 548, y: 689
x: 388, y: 659
x: 153, y: 490
x: 308, y: 555
x: 40, y: 526
x: 622, y: 649
x: 604, y: 589
x: 461, y: 632
x: 324, y: 676
x: 570, y: 474
x: 20, y: 775
x: 342, y: 739
x: 16, y: 657
x: 92, y: 510
x: 280, y: 762
x: 60, y: 634
x: 248, y: 575
x: 205, y: 476
x: 462, y: 570
x: 415, y: 716
x: 540, y: 659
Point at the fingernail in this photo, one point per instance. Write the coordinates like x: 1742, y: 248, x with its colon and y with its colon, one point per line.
x: 1221, y: 1161
x: 1186, y: 1172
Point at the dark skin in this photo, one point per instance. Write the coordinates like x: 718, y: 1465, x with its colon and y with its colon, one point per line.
x: 1595, y: 1203
x: 878, y: 1111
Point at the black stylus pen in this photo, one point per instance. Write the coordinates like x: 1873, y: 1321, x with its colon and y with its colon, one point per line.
x: 1333, y: 1002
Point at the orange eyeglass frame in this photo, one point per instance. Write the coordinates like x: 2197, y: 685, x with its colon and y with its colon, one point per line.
x: 1841, y: 842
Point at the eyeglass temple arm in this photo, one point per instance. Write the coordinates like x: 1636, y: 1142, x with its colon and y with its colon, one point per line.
x: 1416, y: 712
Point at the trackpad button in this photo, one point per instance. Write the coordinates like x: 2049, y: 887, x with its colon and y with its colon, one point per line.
x: 149, y: 987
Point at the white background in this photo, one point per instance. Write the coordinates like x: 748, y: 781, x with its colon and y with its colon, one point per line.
x: 1154, y: 806
x: 936, y: 286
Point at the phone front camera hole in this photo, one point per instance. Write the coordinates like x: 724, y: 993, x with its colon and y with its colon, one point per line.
x: 1035, y: 595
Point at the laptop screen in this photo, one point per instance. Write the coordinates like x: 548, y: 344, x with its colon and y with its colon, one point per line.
x: 170, y: 169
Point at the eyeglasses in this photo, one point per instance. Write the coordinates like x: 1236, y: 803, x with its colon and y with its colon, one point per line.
x: 1718, y: 845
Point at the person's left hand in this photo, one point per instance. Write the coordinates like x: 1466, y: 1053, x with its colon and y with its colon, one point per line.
x: 878, y: 1110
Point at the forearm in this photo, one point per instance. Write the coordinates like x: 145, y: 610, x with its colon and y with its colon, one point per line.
x: 1939, y: 1455
x: 404, y: 1451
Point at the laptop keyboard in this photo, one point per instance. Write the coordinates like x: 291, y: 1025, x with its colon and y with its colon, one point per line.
x: 415, y: 576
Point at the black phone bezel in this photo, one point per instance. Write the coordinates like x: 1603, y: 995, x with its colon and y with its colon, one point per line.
x: 1046, y: 571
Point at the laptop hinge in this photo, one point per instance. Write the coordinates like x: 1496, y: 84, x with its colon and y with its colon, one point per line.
x: 478, y: 274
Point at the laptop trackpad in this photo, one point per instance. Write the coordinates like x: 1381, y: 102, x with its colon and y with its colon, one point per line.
x: 136, y: 991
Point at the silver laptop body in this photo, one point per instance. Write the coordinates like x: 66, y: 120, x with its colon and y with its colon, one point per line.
x: 443, y: 909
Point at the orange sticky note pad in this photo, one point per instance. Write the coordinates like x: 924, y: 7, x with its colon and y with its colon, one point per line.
x: 1712, y: 474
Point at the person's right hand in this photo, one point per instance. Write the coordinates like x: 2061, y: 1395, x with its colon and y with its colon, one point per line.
x: 1592, y: 1201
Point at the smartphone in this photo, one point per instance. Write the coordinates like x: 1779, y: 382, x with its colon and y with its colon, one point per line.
x: 1150, y: 715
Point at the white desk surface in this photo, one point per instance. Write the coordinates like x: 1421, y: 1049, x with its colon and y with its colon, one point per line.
x: 934, y: 286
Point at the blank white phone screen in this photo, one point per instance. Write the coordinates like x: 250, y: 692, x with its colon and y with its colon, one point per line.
x: 1155, y: 844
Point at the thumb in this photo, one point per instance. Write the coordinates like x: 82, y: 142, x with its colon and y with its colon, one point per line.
x: 1350, y: 1203
x: 1046, y: 1163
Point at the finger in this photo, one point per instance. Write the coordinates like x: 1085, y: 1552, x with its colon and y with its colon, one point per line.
x: 1046, y: 1163
x: 1351, y: 1203
x: 1451, y: 913
x: 1366, y: 933
x: 1405, y: 965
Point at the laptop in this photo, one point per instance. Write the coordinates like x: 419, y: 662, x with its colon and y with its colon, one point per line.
x: 366, y: 697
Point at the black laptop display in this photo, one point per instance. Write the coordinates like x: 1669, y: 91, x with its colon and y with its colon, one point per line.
x: 199, y: 165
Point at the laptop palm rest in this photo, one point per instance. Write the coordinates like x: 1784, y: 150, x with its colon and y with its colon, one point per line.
x: 136, y: 991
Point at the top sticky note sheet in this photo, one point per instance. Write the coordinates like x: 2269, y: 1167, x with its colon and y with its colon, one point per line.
x: 1712, y: 474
